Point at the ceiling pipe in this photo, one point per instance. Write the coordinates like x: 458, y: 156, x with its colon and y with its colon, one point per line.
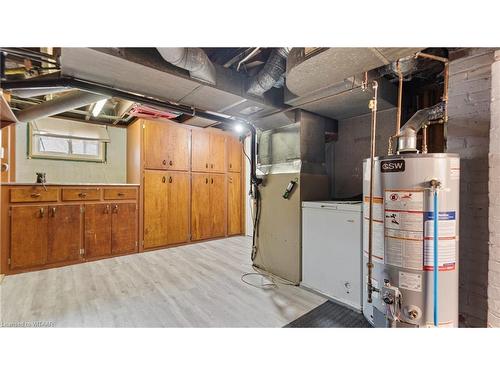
x: 195, y: 60
x: 270, y: 74
x: 61, y: 104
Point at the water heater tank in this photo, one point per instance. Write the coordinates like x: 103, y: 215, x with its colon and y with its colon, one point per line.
x: 403, y: 240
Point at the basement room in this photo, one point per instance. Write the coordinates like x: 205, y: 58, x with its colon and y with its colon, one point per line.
x: 341, y: 192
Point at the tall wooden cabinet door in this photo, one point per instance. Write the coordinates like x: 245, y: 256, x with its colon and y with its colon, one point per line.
x: 155, y: 145
x: 200, y: 151
x: 28, y: 236
x: 178, y: 207
x: 155, y: 209
x: 217, y: 153
x: 218, y: 205
x: 200, y: 207
x: 123, y: 228
x: 233, y: 203
x: 234, y: 150
x: 64, y: 238
x: 97, y: 230
x: 177, y: 148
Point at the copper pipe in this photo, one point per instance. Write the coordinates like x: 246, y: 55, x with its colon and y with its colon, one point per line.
x: 445, y: 90
x: 373, y: 107
x: 424, y: 140
x: 431, y: 57
x: 400, y: 99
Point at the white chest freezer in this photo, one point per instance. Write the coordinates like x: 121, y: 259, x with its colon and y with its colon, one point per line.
x: 332, y: 250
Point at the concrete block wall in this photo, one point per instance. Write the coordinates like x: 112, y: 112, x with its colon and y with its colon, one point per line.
x: 494, y: 198
x: 468, y: 135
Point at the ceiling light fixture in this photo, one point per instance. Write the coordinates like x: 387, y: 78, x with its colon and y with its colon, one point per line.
x: 98, y: 107
x: 238, y: 127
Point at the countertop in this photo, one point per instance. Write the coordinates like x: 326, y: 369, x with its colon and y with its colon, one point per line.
x: 65, y: 184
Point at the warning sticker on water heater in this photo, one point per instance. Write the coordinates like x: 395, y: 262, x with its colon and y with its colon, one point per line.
x: 378, y: 227
x: 404, y: 226
x: 447, y: 241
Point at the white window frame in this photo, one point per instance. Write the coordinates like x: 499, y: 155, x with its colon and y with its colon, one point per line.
x: 34, y: 151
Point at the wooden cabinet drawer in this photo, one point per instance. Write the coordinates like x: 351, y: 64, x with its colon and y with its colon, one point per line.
x: 120, y: 193
x: 33, y: 194
x: 83, y: 194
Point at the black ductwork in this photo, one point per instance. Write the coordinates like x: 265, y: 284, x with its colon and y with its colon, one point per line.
x: 270, y: 74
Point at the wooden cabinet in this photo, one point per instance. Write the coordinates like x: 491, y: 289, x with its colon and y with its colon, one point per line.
x: 217, y: 153
x: 97, y: 230
x: 233, y: 204
x: 28, y: 236
x: 208, y: 206
x: 36, y: 236
x: 166, y: 208
x: 234, y: 154
x: 178, y: 192
x: 44, y: 234
x: 64, y: 228
x: 110, y: 229
x: 200, y: 151
x: 208, y: 151
x: 166, y: 146
x: 200, y: 206
x: 155, y: 209
x: 123, y: 228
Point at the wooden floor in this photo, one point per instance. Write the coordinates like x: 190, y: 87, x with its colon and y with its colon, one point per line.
x: 197, y: 285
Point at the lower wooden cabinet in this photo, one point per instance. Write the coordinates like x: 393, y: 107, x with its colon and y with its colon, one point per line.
x: 110, y: 229
x: 233, y: 204
x: 97, y: 230
x: 123, y: 228
x: 166, y: 208
x: 64, y: 233
x: 28, y: 236
x: 36, y: 236
x: 44, y: 234
x: 208, y: 206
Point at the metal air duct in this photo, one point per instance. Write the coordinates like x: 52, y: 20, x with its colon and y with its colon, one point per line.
x: 271, y: 73
x: 61, y: 104
x: 195, y: 60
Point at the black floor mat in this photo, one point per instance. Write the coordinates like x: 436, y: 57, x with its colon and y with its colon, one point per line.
x: 330, y: 315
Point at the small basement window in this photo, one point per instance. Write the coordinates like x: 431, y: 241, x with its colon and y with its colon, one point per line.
x: 52, y: 138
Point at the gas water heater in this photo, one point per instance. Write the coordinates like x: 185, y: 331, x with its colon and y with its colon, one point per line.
x: 411, y: 286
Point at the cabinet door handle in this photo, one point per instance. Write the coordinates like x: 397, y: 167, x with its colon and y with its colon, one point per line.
x: 230, y: 165
x: 206, y: 165
x: 170, y: 180
x: 171, y: 163
x: 164, y: 162
x: 35, y: 195
x: 106, y: 210
x: 163, y: 179
x: 53, y: 209
x: 42, y: 212
x: 211, y: 180
x: 115, y: 208
x: 121, y: 194
x: 206, y: 180
x: 211, y: 166
x: 82, y: 194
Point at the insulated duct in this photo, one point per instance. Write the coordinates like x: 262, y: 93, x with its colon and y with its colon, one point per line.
x: 195, y: 60
x: 271, y: 73
x: 61, y: 104
x: 31, y: 93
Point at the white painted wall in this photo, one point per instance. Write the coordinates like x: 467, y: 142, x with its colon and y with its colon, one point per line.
x: 63, y: 171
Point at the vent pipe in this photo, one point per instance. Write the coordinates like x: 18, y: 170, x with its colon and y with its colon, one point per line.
x: 61, y: 104
x: 271, y: 73
x: 195, y: 60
